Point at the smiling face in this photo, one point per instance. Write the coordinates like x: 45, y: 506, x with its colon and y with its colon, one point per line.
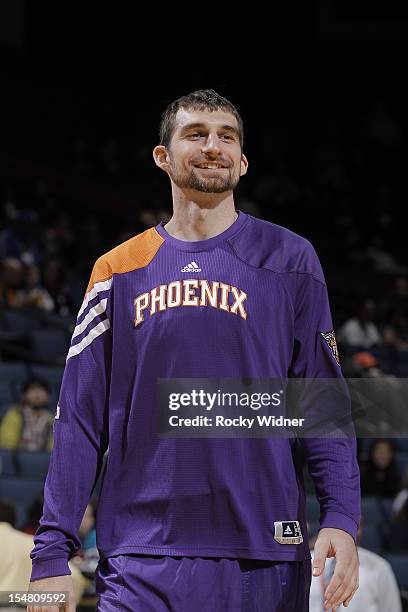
x: 204, y: 153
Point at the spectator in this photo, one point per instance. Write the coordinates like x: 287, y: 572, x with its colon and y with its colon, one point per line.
x: 28, y: 426
x: 394, y: 311
x: 400, y: 293
x: 383, y: 397
x: 59, y: 236
x: 87, y: 531
x: 361, y: 365
x: 15, y: 562
x: 54, y: 283
x: 11, y: 282
x: 398, y: 532
x: 402, y: 495
x: 382, y: 260
x: 360, y: 331
x: 19, y: 238
x: 33, y: 294
x: 378, y: 590
x: 88, y: 557
x: 396, y: 330
x: 379, y: 476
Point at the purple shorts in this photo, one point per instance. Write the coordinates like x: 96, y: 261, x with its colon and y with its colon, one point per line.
x: 139, y: 583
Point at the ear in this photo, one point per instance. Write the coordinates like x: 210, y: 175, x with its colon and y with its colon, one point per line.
x: 244, y: 165
x: 161, y: 157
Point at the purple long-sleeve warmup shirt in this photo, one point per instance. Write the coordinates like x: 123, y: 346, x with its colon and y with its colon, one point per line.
x: 249, y: 302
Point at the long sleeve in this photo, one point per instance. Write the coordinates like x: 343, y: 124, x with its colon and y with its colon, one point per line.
x: 80, y: 431
x: 331, y: 460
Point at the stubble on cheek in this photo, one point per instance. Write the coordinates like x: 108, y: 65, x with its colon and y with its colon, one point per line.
x: 191, y: 178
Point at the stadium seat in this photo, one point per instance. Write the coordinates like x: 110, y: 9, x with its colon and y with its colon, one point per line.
x: 7, y: 463
x: 371, y: 510
x: 13, y: 371
x: 21, y: 491
x: 384, y: 356
x: 6, y: 392
x: 12, y: 376
x: 386, y: 508
x: 399, y: 565
x: 52, y: 374
x: 49, y: 344
x: 401, y: 364
x: 401, y: 459
x: 402, y: 444
x: 371, y: 538
x: 19, y: 322
x: 33, y: 464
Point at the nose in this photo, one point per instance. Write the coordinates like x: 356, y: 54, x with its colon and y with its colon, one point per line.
x: 211, y: 145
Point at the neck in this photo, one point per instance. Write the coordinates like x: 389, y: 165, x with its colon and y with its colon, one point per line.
x: 198, y: 216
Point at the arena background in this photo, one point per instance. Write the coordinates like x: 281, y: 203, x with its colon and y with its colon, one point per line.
x: 323, y: 96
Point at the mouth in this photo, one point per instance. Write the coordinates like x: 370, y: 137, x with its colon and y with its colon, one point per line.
x: 210, y: 166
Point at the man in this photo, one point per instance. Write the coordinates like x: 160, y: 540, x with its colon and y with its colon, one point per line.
x: 15, y: 565
x: 28, y: 426
x: 378, y: 587
x: 196, y: 523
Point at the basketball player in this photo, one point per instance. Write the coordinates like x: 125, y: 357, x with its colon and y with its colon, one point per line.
x: 198, y: 523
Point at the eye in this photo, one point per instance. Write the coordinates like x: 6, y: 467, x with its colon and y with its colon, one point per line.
x: 194, y: 135
x: 227, y: 137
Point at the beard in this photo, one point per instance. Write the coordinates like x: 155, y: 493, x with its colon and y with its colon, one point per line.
x: 192, y: 179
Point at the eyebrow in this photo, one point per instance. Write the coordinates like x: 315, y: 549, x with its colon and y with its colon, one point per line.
x: 197, y: 125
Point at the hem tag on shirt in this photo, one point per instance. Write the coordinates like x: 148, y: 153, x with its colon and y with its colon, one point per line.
x: 288, y: 532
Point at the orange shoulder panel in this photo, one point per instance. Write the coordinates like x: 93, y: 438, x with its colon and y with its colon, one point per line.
x: 137, y: 252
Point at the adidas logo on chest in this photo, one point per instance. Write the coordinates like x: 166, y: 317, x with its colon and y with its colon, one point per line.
x: 191, y: 267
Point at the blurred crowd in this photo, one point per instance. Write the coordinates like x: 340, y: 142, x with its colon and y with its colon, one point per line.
x: 339, y: 181
x: 344, y: 193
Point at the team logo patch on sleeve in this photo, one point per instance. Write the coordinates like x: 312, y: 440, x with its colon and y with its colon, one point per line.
x: 332, y: 344
x: 288, y: 532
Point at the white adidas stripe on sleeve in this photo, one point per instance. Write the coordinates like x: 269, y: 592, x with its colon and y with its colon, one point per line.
x: 94, y: 333
x: 94, y: 312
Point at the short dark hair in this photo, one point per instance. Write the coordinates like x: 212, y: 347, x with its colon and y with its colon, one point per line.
x: 202, y: 99
x: 7, y: 512
x: 36, y: 382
